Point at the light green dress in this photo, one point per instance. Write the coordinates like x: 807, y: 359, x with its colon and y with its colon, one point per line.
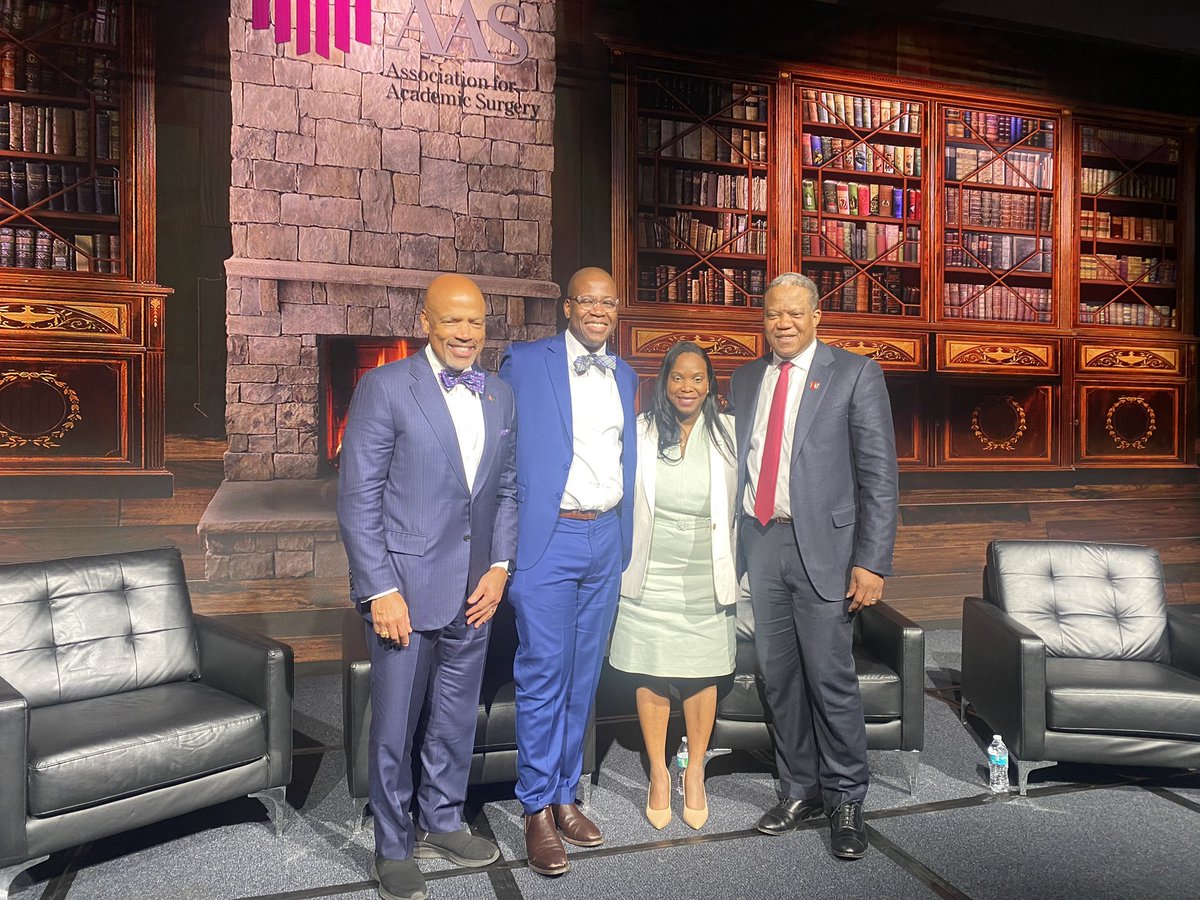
x: 676, y: 628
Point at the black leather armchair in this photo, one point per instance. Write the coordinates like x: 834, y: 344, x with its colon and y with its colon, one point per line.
x: 889, y: 654
x: 495, y: 756
x: 119, y: 707
x: 1073, y: 656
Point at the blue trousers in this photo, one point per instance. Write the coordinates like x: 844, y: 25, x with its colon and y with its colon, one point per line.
x: 424, y: 699
x: 564, y: 607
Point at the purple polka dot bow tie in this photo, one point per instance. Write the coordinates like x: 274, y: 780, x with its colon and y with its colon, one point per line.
x: 599, y: 360
x: 472, y: 379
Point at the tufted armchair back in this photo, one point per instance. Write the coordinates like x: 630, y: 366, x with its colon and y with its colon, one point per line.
x: 1084, y: 600
x: 87, y: 627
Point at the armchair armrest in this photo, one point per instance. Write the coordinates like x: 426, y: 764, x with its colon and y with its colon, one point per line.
x: 14, y: 741
x: 259, y: 671
x: 1004, y: 676
x: 1183, y: 632
x: 899, y: 643
x: 356, y: 701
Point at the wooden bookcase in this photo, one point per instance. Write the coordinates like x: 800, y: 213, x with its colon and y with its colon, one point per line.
x: 81, y: 320
x: 962, y: 238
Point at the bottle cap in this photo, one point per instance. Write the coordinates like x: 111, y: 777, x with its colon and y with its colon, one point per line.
x: 996, y: 737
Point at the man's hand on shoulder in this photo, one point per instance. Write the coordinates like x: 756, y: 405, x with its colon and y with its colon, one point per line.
x: 865, y: 587
x: 481, y: 605
x: 390, y: 616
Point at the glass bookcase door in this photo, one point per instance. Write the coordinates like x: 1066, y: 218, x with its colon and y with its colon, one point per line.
x: 863, y: 174
x: 701, y: 189
x: 1128, y: 226
x: 61, y: 136
x: 998, y: 244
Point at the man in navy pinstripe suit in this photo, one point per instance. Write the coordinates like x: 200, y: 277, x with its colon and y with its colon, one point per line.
x: 428, y: 514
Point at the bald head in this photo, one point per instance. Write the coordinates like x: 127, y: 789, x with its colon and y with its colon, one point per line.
x: 591, y: 306
x: 455, y: 318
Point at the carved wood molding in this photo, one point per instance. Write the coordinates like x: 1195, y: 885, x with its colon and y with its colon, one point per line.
x: 47, y: 439
x: 731, y: 345
x: 55, y: 317
x: 1158, y: 359
x: 1124, y: 441
x: 1008, y: 442
x: 882, y: 351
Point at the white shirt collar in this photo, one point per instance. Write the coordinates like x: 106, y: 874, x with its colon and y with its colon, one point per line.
x: 576, y: 349
x: 438, y: 365
x: 802, y: 360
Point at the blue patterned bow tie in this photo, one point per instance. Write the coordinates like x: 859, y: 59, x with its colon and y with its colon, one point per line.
x: 471, y: 379
x: 599, y: 360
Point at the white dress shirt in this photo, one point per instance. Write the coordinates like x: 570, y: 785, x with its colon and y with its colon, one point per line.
x: 594, y: 481
x: 797, y: 378
x: 466, y: 411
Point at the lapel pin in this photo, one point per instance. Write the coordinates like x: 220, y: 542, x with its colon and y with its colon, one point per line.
x: 490, y: 397
x: 814, y: 385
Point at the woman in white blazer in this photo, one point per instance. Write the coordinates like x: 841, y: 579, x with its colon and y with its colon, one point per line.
x: 676, y: 619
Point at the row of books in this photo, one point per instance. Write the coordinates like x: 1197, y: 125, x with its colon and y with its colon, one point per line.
x: 705, y: 97
x: 880, y: 290
x: 60, y: 187
x: 999, y: 128
x: 61, y: 20
x: 870, y: 241
x: 32, y: 248
x: 1124, y: 312
x: 1095, y: 223
x: 845, y: 153
x: 707, y: 143
x: 1005, y: 303
x: 701, y: 188
x: 723, y: 232
x: 64, y: 71
x: 1014, y: 168
x: 58, y: 130
x: 854, y: 111
x: 1130, y: 145
x: 724, y: 287
x: 849, y: 198
x: 997, y: 209
x: 999, y: 252
x: 1136, y: 185
x: 1140, y: 269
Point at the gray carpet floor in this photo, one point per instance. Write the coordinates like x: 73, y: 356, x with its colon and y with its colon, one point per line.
x: 1086, y: 831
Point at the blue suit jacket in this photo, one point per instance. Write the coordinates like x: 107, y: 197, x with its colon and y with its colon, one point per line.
x: 844, y: 485
x: 407, y: 518
x: 537, y: 372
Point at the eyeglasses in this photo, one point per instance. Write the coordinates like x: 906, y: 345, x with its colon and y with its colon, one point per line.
x: 608, y: 304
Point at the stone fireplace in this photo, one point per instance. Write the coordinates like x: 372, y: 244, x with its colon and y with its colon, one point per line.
x: 350, y: 192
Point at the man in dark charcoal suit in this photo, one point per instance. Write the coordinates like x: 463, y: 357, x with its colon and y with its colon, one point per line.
x: 817, y: 485
x: 428, y: 513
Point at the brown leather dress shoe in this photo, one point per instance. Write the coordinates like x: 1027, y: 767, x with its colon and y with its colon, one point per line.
x: 543, y: 849
x: 576, y: 828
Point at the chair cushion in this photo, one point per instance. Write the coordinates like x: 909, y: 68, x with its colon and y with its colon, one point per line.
x: 93, y: 751
x: 496, y: 716
x: 1096, y: 601
x: 1122, y: 697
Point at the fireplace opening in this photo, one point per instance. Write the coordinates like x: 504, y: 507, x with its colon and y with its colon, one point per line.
x: 343, y: 361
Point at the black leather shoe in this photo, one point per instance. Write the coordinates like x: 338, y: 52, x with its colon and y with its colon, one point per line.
x: 785, y: 815
x: 848, y: 835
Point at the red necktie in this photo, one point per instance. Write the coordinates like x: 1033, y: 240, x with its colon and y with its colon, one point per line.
x: 768, y: 473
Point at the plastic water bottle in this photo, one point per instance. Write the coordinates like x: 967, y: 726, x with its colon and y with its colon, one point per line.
x: 997, y: 755
x: 681, y: 762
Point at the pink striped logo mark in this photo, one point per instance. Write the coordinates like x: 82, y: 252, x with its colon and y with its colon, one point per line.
x: 312, y: 23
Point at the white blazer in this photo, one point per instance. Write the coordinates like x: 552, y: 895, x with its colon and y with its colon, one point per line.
x: 722, y: 481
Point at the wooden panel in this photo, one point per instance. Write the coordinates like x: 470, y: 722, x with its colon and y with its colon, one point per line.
x: 895, y: 351
x: 998, y: 425
x: 641, y: 340
x: 1109, y: 357
x: 1129, y: 424
x: 31, y: 318
x: 908, y: 420
x: 1004, y: 355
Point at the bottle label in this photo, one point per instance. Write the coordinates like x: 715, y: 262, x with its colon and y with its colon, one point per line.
x: 997, y: 759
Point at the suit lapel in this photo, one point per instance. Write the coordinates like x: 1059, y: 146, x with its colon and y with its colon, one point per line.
x: 491, y: 432
x: 747, y: 407
x: 648, y: 454
x: 556, y: 368
x: 812, y: 393
x: 432, y: 402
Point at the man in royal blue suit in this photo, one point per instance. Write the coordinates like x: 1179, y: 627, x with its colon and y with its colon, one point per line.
x: 576, y: 446
x: 428, y: 513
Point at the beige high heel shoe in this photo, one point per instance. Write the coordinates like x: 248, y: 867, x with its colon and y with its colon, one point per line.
x: 694, y: 818
x: 659, y: 818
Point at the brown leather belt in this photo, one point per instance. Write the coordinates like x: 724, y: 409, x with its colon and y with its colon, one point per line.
x: 586, y: 515
x: 778, y: 520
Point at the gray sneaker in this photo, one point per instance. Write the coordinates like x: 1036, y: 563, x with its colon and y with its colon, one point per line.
x: 460, y: 847
x: 399, y: 879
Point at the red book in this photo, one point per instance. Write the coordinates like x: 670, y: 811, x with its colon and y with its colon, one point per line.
x: 864, y: 199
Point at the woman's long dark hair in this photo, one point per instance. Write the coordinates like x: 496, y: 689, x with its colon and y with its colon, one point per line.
x: 665, y: 417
